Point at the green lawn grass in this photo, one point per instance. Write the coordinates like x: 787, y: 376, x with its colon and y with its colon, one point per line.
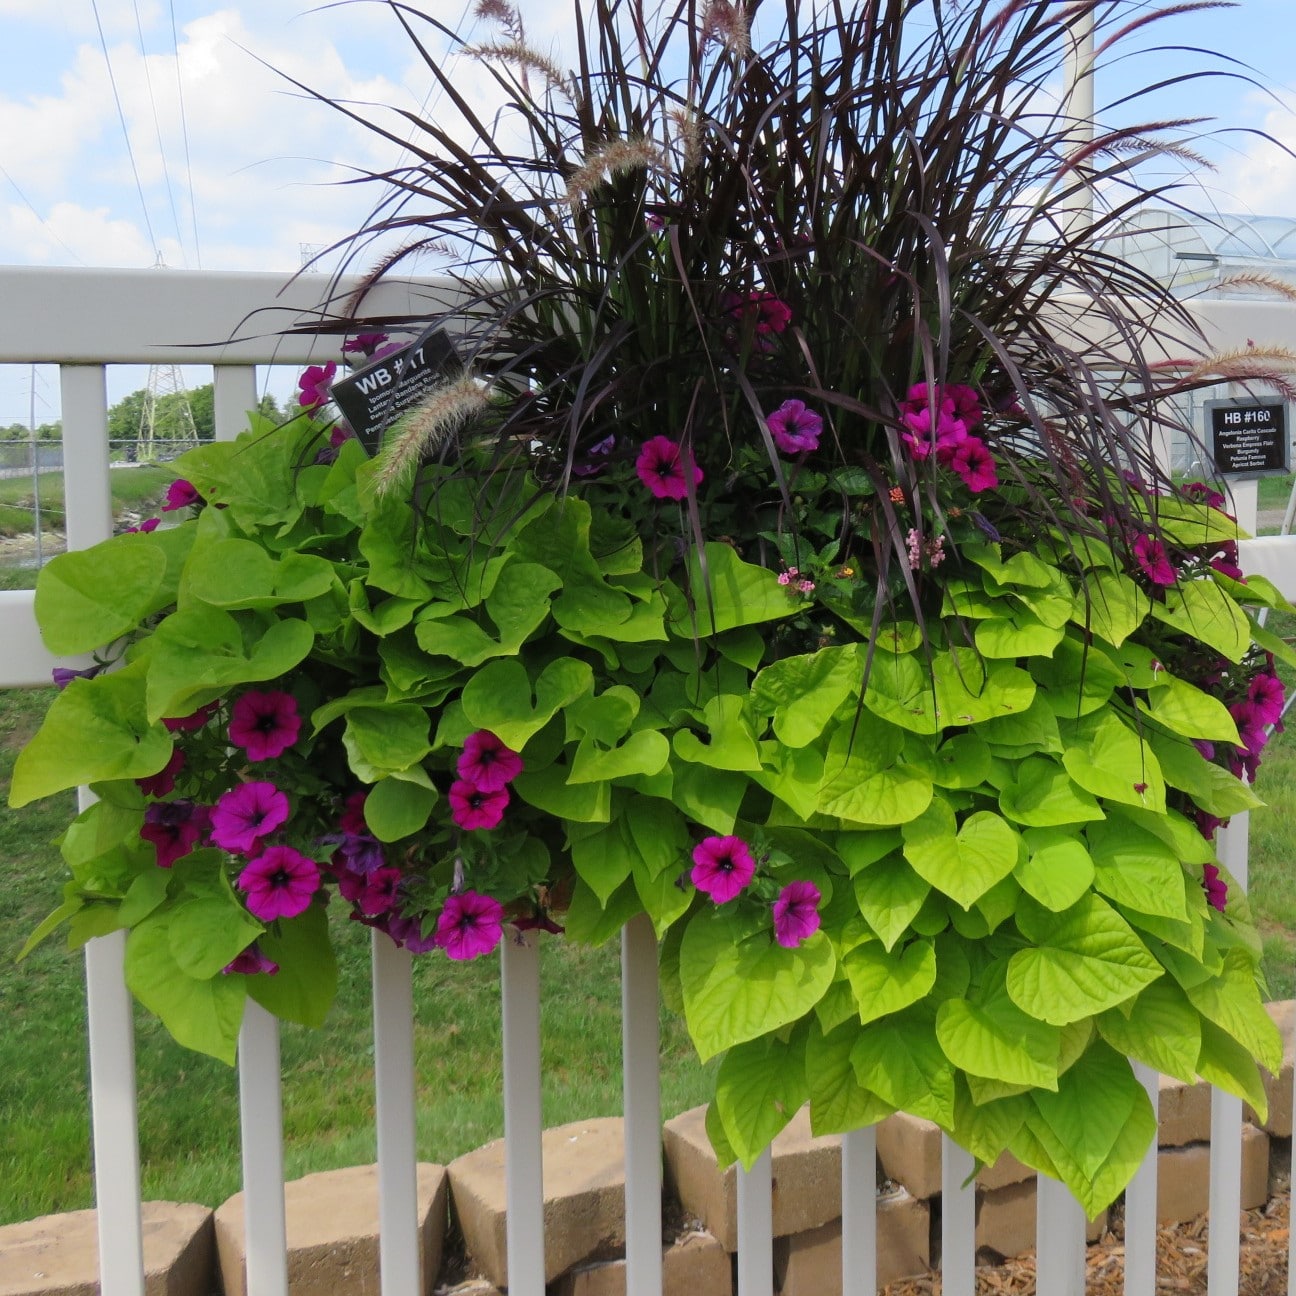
x: 139, y: 489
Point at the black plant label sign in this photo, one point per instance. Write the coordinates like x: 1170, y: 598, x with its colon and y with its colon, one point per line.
x: 373, y: 398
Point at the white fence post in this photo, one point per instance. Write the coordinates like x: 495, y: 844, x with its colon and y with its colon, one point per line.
x: 1059, y: 1240
x: 523, y: 1148
x: 393, y: 1010
x: 756, y: 1228
x: 1141, y: 1203
x: 958, y: 1220
x: 859, y: 1213
x: 261, y: 1110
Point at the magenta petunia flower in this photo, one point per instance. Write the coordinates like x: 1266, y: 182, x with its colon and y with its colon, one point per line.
x: 796, y: 913
x: 314, y: 384
x: 1152, y: 558
x: 722, y: 866
x: 487, y: 763
x: 975, y: 464
x: 794, y: 428
x: 246, y: 813
x: 364, y: 344
x: 264, y: 724
x: 472, y: 807
x: 195, y: 720
x: 1200, y: 491
x: 662, y: 465
x: 251, y: 963
x: 163, y: 782
x: 967, y: 404
x: 180, y: 494
x: 470, y: 925
x: 1215, y: 887
x: 372, y: 893
x: 150, y: 524
x: 174, y: 828
x: 353, y: 820
x: 1267, y: 694
x: 767, y: 313
x: 279, y: 883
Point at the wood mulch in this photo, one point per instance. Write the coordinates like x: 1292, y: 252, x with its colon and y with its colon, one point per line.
x: 1181, y: 1261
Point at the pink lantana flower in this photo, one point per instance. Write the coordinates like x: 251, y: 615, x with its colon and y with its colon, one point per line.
x: 265, y: 725
x: 472, y: 807
x: 796, y: 913
x: 180, y: 494
x: 279, y: 883
x: 245, y: 814
x: 975, y: 464
x: 1215, y: 887
x: 314, y: 385
x: 662, y: 466
x: 1151, y: 556
x: 163, y: 782
x: 722, y: 866
x: 470, y: 925
x: 487, y: 763
x: 795, y: 429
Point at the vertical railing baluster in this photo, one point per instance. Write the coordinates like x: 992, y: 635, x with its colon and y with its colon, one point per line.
x: 87, y: 505
x: 641, y: 1093
x: 234, y: 393
x: 1141, y: 1203
x: 756, y: 1228
x: 859, y: 1213
x: 1059, y: 1240
x: 261, y: 1119
x: 393, y: 1008
x: 958, y: 1220
x: 523, y: 1156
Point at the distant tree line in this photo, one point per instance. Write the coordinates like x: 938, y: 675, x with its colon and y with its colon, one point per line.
x: 126, y: 418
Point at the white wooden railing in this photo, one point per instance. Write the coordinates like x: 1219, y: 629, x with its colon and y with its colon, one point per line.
x: 84, y: 320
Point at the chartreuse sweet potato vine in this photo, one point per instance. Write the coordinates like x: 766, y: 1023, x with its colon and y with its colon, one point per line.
x: 775, y: 566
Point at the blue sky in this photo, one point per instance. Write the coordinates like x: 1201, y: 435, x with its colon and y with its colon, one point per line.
x: 250, y: 179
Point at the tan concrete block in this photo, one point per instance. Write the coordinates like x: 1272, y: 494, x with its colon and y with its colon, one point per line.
x: 1006, y: 1218
x: 584, y: 1198
x: 331, y: 1221
x: 812, y: 1265
x: 58, y: 1255
x: 1183, y: 1112
x: 1183, y: 1177
x: 909, y: 1150
x: 1279, y: 1087
x: 806, y: 1172
x: 693, y: 1265
x: 1006, y: 1171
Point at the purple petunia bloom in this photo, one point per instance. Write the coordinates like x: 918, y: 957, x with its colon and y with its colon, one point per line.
x: 487, y: 763
x: 596, y: 457
x: 796, y: 913
x: 279, y: 883
x: 1152, y: 558
x: 373, y: 893
x: 246, y: 813
x: 407, y: 932
x: 264, y: 724
x: 195, y: 720
x: 314, y: 385
x: 975, y: 464
x: 470, y: 925
x: 251, y: 963
x: 472, y: 807
x: 1215, y: 887
x: 722, y: 866
x: 174, y: 828
x: 795, y: 429
x: 662, y: 465
x: 163, y: 782
x: 64, y: 675
x: 180, y: 494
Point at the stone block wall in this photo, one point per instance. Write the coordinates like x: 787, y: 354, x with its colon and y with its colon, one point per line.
x: 332, y: 1218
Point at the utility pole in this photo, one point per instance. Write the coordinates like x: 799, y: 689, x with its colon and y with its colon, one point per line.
x: 1078, y: 108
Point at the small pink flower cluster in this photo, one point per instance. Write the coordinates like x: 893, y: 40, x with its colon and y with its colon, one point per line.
x: 795, y: 582
x: 917, y: 547
x: 479, y: 796
x: 724, y: 866
x: 946, y: 431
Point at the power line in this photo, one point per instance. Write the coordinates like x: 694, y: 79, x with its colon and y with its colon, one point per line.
x: 121, y: 117
x: 184, y: 133
x: 157, y: 127
x: 31, y: 207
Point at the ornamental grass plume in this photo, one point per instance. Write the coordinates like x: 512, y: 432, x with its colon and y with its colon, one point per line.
x: 425, y: 430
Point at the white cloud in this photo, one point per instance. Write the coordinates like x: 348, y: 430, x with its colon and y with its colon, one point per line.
x: 1259, y: 174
